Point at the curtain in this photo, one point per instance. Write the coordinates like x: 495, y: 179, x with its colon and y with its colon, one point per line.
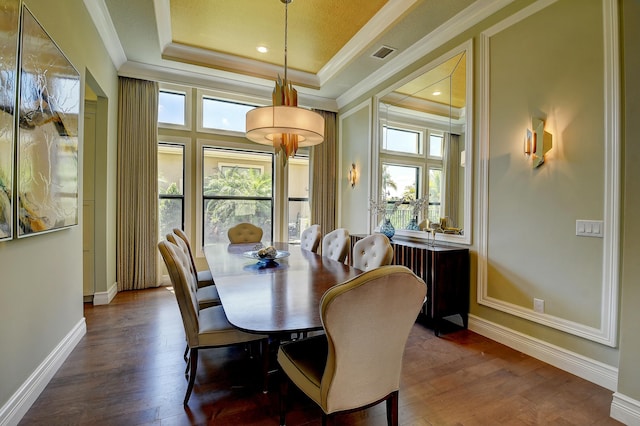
x: 137, y: 168
x: 451, y: 178
x: 322, y: 161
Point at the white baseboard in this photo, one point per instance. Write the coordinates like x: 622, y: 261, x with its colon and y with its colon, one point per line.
x: 589, y: 369
x: 20, y: 402
x: 105, y: 297
x: 625, y: 409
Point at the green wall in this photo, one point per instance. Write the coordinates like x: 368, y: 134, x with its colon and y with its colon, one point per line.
x: 41, y: 289
x: 549, y: 65
x: 355, y: 137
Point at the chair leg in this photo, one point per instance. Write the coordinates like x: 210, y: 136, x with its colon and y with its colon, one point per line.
x: 193, y: 361
x: 284, y: 388
x: 392, y: 409
x: 186, y: 352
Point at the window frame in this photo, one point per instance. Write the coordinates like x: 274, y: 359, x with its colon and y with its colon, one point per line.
x: 422, y: 161
x: 403, y: 126
x: 201, y: 198
x: 188, y: 100
x: 223, y: 97
x: 301, y: 154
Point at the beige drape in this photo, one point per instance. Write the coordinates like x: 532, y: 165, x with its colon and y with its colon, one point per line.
x: 323, y: 176
x: 451, y: 178
x: 137, y: 221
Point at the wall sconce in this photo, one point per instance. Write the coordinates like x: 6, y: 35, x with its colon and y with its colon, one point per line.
x: 353, y: 175
x: 537, y: 142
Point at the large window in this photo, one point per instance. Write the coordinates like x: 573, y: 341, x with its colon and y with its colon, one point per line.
x: 170, y: 188
x: 237, y: 186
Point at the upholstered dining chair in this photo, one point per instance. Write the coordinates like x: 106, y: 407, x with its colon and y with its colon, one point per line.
x: 357, y: 362
x: 204, y: 277
x: 206, y: 296
x: 372, y: 252
x: 310, y: 238
x: 244, y: 233
x: 204, y: 328
x: 336, y: 244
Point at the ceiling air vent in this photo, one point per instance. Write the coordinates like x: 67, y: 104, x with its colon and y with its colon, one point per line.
x: 383, y: 52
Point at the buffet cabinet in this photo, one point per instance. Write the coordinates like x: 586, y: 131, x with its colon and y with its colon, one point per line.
x: 445, y: 270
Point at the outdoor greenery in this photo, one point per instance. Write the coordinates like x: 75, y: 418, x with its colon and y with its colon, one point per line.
x: 170, y: 210
x: 238, y: 183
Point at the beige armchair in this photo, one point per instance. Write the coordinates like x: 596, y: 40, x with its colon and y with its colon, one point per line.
x: 204, y: 277
x: 372, y: 252
x: 310, y: 238
x: 357, y: 363
x: 204, y: 328
x: 336, y: 244
x: 206, y: 296
x: 244, y: 233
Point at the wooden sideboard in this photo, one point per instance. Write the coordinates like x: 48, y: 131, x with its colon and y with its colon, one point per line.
x: 445, y: 269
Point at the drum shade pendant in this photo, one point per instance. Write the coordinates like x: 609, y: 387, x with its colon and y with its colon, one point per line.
x: 285, y: 125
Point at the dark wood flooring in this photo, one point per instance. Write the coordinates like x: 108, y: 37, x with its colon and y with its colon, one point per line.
x: 128, y: 370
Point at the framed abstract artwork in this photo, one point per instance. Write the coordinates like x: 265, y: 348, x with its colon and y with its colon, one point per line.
x: 48, y: 108
x: 9, y: 24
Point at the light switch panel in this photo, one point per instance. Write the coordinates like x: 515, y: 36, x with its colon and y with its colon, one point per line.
x: 589, y: 228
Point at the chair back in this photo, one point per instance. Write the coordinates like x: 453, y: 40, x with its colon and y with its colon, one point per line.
x: 367, y: 321
x: 310, y: 238
x: 183, y: 280
x: 335, y: 245
x: 244, y: 233
x: 372, y: 252
x: 184, y: 247
x: 180, y: 234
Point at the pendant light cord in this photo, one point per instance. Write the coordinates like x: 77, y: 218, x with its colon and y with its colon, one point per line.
x: 286, y: 26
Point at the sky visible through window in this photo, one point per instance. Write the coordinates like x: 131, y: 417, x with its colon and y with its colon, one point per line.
x: 224, y: 115
x: 171, y: 108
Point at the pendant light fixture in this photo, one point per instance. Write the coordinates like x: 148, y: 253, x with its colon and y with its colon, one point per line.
x: 285, y: 125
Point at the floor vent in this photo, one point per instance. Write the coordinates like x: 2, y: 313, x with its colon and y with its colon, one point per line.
x: 383, y: 52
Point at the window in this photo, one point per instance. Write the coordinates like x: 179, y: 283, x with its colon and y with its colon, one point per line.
x: 400, y: 183
x: 435, y: 194
x: 224, y: 115
x: 298, y: 201
x: 401, y: 140
x: 170, y: 188
x: 236, y: 187
x: 172, y: 108
x: 435, y: 145
x: 410, y: 170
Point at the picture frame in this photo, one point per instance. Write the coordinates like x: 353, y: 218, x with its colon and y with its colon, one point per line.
x: 9, y: 36
x: 47, y: 147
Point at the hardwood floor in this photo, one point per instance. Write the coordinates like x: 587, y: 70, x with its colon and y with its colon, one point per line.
x: 128, y: 370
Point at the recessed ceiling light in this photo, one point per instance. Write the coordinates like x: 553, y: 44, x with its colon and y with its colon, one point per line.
x: 262, y: 49
x: 437, y: 93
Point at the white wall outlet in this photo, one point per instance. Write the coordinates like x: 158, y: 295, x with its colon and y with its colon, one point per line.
x: 538, y: 305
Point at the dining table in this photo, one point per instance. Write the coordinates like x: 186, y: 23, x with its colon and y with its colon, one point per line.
x: 273, y: 297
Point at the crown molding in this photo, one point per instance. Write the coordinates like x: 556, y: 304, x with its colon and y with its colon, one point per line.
x: 225, y: 62
x: 102, y: 20
x: 445, y: 32
x: 163, y: 21
x: 220, y: 80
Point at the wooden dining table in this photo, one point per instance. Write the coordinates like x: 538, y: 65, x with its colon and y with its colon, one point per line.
x: 275, y: 298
